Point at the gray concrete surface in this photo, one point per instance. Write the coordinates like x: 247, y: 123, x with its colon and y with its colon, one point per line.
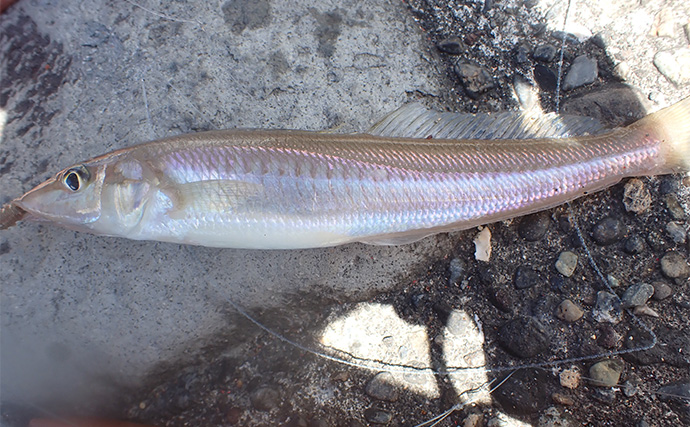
x: 84, y: 317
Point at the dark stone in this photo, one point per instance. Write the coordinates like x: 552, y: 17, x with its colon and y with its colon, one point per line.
x: 521, y: 53
x: 583, y: 71
x: 523, y: 337
x: 607, y: 336
x: 672, y: 347
x: 661, y: 291
x: 634, y: 245
x: 474, y: 78
x: 377, y: 416
x: 678, y: 395
x: 613, y: 105
x: 608, y: 308
x: 565, y: 224
x: 502, y: 298
x: 452, y: 45
x: 525, y: 392
x: 545, y: 53
x: 608, y: 231
x: 525, y: 277
x: 637, y: 295
x: 674, y: 265
x: 545, y: 77
x: 534, y: 227
x: 381, y: 387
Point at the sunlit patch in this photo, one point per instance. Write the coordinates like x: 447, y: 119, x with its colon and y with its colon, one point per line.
x: 3, y: 121
x: 373, y: 336
x: 463, y: 354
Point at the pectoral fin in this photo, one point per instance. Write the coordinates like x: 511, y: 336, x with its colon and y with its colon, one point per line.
x: 210, y: 196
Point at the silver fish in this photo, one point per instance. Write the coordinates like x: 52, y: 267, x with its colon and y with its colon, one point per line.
x: 294, y: 189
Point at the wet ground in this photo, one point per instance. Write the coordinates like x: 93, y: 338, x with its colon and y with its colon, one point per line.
x: 160, y: 339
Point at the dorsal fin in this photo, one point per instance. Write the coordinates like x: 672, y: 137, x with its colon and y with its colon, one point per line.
x: 415, y: 121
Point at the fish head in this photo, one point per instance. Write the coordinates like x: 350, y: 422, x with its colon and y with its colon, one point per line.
x: 71, y: 198
x: 105, y: 196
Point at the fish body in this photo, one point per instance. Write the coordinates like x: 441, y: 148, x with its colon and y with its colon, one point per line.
x: 295, y: 189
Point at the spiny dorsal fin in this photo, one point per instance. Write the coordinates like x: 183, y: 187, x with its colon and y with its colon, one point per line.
x: 415, y: 121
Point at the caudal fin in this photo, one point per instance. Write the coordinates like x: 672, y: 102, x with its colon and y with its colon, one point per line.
x: 672, y: 125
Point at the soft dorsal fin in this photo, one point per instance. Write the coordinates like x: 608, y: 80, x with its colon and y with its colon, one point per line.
x: 415, y: 121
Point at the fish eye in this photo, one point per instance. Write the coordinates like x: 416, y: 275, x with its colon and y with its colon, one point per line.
x: 74, y: 178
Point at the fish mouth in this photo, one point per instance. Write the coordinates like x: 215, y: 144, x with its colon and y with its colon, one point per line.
x: 10, y: 215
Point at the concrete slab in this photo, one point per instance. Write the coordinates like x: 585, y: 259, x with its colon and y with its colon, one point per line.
x: 80, y: 78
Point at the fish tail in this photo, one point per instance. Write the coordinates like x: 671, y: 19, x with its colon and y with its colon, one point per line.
x: 672, y: 126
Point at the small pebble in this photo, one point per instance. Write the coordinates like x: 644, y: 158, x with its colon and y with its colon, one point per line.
x: 534, y: 227
x: 569, y: 311
x: 613, y: 281
x: 545, y: 53
x: 525, y: 277
x: 674, y: 64
x: 452, y: 45
x: 606, y: 373
x: 636, y: 197
x: 570, y: 378
x: 664, y: 23
x: 674, y: 207
x: 644, y: 310
x: 473, y: 420
x: 673, y: 265
x: 679, y: 391
x: 456, y: 268
x: 527, y: 391
x: 661, y: 291
x: 608, y: 231
x: 566, y: 263
x: 607, y: 336
x: 381, y: 387
x: 562, y: 399
x: 521, y: 54
x: 607, y: 308
x: 377, y: 416
x: 545, y: 77
x: 634, y: 245
x: 482, y: 245
x: 637, y: 295
x: 502, y: 298
x: 622, y: 70
x: 523, y: 337
x: 583, y: 71
x: 676, y: 231
x: 631, y: 386
x: 474, y: 78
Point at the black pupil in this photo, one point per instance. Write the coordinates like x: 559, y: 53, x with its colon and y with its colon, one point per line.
x: 72, y: 181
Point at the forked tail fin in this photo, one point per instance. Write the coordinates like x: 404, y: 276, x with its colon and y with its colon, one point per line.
x: 672, y: 125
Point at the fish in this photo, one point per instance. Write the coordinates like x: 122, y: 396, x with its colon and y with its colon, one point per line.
x: 415, y: 173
